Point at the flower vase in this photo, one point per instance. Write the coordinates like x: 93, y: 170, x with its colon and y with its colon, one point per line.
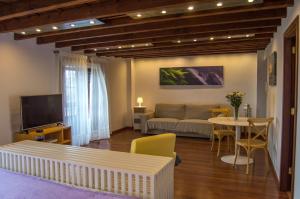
x: 236, y: 113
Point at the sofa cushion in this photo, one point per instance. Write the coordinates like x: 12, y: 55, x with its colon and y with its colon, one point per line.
x: 194, y: 126
x: 170, y: 111
x: 199, y: 111
x: 168, y: 124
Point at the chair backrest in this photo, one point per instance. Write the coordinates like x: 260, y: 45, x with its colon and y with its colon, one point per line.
x: 259, y: 128
x: 224, y: 112
x: 160, y: 145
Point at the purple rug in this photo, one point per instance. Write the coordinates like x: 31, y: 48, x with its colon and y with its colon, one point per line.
x: 18, y: 186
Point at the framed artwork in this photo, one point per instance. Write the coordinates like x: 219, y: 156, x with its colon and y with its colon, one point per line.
x: 272, y: 68
x: 195, y: 75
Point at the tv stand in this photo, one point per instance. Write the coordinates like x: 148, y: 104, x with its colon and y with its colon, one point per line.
x: 57, y: 134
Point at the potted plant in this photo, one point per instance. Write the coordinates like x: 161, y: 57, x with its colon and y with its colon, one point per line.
x: 235, y: 99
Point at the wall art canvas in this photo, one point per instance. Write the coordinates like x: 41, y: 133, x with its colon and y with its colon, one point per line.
x: 272, y: 68
x: 196, y: 75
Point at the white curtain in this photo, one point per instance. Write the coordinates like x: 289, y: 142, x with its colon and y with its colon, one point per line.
x: 98, y: 102
x: 74, y: 72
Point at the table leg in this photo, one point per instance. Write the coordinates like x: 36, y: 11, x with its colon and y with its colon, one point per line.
x: 241, y: 160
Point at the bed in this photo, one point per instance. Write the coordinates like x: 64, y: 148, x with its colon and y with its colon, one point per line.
x: 126, y: 174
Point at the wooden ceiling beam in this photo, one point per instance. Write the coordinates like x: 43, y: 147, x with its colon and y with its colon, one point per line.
x: 207, y: 30
x: 96, y: 10
x: 254, y: 17
x: 259, y: 38
x: 125, y: 21
x: 29, y: 7
x: 260, y: 33
x: 175, y: 47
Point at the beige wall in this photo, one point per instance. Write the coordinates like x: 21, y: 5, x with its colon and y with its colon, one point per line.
x: 275, y: 97
x: 239, y: 74
x: 25, y: 69
x: 117, y: 72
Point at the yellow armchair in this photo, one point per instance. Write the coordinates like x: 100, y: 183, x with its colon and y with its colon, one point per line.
x: 160, y: 145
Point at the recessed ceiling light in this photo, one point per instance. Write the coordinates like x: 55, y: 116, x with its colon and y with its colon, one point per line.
x: 120, y: 47
x: 195, y: 40
x: 139, y: 15
x: 38, y: 30
x: 146, y: 44
x: 191, y: 8
x: 95, y: 49
x: 72, y: 25
x: 247, y: 35
x: 220, y: 4
x: 250, y: 1
x: 178, y: 41
x: 228, y: 37
x: 23, y: 33
x: 92, y: 22
x: 54, y: 27
x: 107, y: 48
x: 163, y: 12
x: 132, y: 46
x: 211, y: 39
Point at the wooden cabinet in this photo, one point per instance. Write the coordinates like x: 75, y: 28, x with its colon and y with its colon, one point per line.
x: 57, y: 134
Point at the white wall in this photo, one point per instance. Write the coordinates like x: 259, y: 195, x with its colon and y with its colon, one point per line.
x: 239, y: 74
x: 117, y: 72
x: 25, y: 69
x: 275, y: 98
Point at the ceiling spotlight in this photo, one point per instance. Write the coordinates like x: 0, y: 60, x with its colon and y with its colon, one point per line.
x: 23, y: 33
x: 211, y: 39
x: 132, y: 46
x: 228, y: 37
x: 38, y: 30
x: 195, y: 40
x: 191, y: 8
x: 54, y: 27
x: 72, y: 25
x: 220, y: 4
x: 120, y: 47
x: 92, y: 22
x: 146, y: 44
x: 247, y: 35
x: 178, y: 41
x: 163, y: 12
x: 95, y: 49
x: 139, y: 15
x: 107, y: 48
x: 250, y: 1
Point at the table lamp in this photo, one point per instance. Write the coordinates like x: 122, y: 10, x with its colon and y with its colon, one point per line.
x: 140, y: 101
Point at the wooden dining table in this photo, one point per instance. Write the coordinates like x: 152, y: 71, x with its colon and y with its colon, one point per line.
x: 230, y: 121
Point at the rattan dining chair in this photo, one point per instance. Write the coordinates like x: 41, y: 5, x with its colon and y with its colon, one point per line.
x: 258, y: 131
x: 221, y: 131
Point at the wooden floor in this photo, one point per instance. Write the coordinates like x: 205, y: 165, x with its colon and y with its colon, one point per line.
x: 202, y: 175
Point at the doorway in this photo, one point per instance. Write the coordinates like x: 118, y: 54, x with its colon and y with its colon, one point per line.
x: 289, y: 111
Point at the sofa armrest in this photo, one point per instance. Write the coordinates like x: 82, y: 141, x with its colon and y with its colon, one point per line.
x: 144, y: 117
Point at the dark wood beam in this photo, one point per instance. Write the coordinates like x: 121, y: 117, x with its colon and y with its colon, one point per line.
x: 175, y: 47
x: 29, y: 7
x: 97, y: 10
x: 143, y: 56
x: 252, y: 17
x: 265, y: 33
x: 211, y: 29
x: 125, y: 21
x: 263, y: 38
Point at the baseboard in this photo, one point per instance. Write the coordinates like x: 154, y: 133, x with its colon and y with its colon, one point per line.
x: 273, y: 170
x: 122, y: 129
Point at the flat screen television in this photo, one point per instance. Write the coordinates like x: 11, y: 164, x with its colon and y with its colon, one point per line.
x: 37, y: 111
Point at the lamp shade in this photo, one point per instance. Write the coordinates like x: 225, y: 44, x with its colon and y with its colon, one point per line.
x: 140, y: 100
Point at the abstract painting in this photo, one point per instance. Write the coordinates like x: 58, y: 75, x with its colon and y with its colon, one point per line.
x: 195, y: 75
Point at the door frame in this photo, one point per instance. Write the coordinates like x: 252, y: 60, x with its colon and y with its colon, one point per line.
x: 292, y: 31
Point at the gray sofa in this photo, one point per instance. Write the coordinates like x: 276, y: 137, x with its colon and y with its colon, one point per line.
x: 182, y: 119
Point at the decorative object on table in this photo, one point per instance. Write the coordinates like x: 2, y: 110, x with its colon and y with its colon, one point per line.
x: 207, y: 76
x: 247, y: 110
x: 140, y: 100
x: 272, y: 68
x: 235, y: 98
x: 257, y: 139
